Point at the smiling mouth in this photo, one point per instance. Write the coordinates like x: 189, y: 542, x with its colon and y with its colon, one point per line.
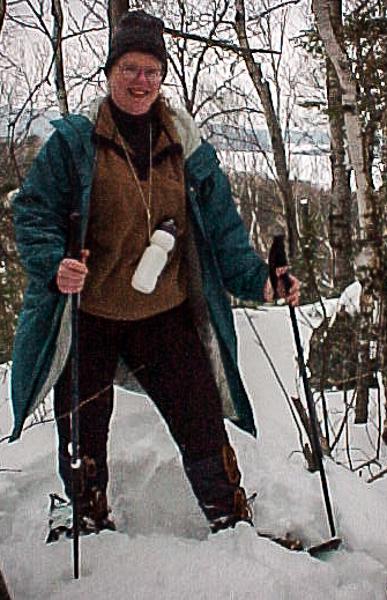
x: 138, y: 93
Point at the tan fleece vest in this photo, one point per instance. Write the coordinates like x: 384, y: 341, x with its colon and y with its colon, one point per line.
x: 117, y: 231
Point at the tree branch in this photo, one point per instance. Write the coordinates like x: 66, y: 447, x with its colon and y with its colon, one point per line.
x: 216, y: 43
x: 265, y: 13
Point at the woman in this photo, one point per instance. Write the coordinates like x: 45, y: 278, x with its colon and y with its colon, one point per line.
x: 139, y: 166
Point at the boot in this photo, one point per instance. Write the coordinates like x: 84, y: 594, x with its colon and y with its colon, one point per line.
x: 93, y: 505
x: 94, y: 512
x: 240, y: 511
x: 216, y: 483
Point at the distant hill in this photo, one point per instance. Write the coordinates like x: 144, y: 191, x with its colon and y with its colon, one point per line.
x: 223, y: 136
x: 35, y: 123
x: 239, y: 139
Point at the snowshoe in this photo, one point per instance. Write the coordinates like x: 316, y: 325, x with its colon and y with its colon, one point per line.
x: 94, y: 511
x: 60, y: 518
x: 94, y: 517
x: 295, y: 544
x: 241, y: 511
x: 288, y: 541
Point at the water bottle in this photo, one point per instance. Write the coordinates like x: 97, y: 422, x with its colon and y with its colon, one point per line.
x: 155, y: 257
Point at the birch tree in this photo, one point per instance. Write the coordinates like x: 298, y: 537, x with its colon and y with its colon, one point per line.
x: 383, y: 192
x: 340, y: 217
x: 368, y: 259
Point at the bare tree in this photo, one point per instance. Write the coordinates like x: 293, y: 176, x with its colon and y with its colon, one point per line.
x: 3, y: 8
x: 116, y: 8
x: 278, y: 147
x: 56, y: 9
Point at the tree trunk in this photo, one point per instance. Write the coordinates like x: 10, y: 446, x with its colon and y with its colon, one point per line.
x: 277, y: 142
x: 368, y: 259
x: 340, y: 222
x: 3, y: 7
x: 246, y: 209
x: 321, y: 10
x: 116, y: 8
x: 383, y: 193
x: 56, y: 10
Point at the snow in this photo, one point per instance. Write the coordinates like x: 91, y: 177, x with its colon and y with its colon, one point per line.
x: 162, y: 548
x: 350, y: 298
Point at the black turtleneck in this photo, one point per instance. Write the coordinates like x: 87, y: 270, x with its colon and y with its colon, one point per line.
x: 135, y: 131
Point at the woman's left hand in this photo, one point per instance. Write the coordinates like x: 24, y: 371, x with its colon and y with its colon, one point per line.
x: 292, y: 297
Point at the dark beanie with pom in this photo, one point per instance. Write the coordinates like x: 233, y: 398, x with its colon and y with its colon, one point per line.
x: 138, y: 31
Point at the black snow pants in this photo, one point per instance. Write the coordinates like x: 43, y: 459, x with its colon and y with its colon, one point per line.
x: 168, y: 359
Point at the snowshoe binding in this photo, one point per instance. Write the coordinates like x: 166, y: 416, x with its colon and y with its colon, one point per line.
x: 94, y: 516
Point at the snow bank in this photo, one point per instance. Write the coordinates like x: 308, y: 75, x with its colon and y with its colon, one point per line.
x: 162, y: 548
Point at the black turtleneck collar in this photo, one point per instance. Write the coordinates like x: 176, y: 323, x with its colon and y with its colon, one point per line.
x: 135, y: 131
x: 133, y: 128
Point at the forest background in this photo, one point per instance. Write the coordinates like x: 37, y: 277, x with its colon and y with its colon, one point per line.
x: 293, y: 95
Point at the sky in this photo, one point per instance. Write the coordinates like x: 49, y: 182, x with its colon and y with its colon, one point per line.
x: 31, y: 51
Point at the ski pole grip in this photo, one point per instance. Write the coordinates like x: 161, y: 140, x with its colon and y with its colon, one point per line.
x: 74, y: 244
x: 278, y: 258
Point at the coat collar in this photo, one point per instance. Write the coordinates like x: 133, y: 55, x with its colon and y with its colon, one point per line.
x: 106, y: 128
x: 202, y: 162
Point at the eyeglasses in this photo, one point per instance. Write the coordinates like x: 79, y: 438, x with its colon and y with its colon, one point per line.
x: 131, y: 72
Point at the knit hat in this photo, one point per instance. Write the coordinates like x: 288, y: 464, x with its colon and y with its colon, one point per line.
x: 138, y: 31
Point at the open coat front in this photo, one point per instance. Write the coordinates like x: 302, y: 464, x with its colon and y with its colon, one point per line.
x: 218, y: 252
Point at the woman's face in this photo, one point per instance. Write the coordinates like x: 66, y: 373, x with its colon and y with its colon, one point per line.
x: 135, y: 81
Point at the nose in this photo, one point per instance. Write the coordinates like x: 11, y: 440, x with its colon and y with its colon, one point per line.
x: 141, y: 76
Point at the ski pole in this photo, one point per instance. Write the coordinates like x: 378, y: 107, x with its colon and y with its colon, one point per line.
x: 76, y: 462
x: 277, y: 258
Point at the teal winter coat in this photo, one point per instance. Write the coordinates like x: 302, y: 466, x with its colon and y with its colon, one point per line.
x: 222, y: 261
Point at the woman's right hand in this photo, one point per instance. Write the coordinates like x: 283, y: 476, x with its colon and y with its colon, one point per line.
x: 71, y: 274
